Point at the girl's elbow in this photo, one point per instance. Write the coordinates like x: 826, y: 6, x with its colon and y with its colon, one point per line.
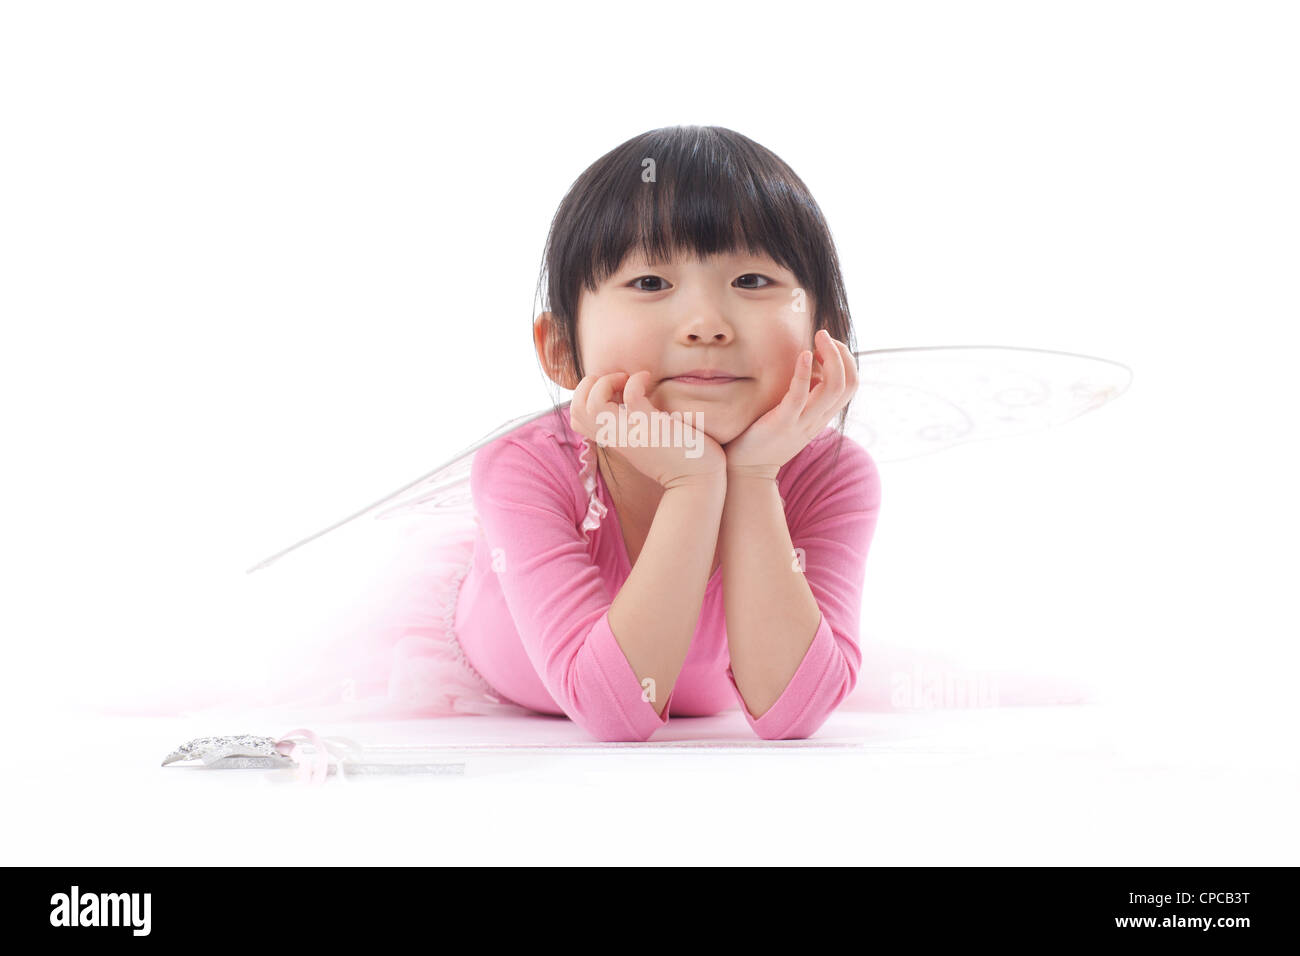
x: 612, y: 731
x: 619, y: 735
x: 800, y: 731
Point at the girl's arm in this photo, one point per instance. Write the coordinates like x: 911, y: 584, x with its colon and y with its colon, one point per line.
x: 530, y: 511
x: 657, y: 610
x: 792, y: 620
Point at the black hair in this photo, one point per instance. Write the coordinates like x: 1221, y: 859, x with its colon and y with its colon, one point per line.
x: 708, y: 191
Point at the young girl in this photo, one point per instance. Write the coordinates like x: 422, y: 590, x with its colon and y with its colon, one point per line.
x: 691, y: 279
x: 622, y: 585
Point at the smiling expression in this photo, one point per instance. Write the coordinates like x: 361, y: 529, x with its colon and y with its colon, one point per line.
x: 737, y: 313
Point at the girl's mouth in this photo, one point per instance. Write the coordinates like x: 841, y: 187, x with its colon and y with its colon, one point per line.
x: 698, y: 380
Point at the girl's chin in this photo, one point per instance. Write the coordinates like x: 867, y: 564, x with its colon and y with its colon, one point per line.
x: 710, y: 418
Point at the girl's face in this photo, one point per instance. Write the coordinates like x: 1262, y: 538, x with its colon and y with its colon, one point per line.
x: 735, y: 313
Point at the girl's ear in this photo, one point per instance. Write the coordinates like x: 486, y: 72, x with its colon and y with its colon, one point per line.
x: 552, y: 352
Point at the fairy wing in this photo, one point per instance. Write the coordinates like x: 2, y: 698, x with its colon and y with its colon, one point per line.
x: 917, y: 401
x: 910, y: 402
x: 443, y: 491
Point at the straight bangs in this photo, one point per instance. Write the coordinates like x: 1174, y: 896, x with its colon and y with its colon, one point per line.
x: 686, y: 192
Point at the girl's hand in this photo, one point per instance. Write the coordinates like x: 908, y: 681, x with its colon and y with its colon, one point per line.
x: 668, y: 465
x: 771, y: 441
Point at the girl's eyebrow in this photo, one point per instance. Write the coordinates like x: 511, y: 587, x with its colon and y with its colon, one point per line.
x: 737, y: 261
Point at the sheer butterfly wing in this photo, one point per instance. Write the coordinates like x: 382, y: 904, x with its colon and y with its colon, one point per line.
x: 910, y: 402
x: 917, y: 401
x: 443, y: 491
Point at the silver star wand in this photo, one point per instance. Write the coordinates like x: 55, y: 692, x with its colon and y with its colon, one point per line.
x: 312, y: 757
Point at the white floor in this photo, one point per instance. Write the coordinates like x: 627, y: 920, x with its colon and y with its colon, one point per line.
x: 1009, y: 785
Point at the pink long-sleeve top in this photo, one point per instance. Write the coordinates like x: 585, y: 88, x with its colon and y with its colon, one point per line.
x: 549, y: 559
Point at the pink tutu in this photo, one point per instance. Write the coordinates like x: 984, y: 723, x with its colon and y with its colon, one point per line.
x: 360, y: 625
x: 356, y: 626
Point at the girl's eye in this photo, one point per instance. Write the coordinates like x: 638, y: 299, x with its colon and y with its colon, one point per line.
x: 663, y: 284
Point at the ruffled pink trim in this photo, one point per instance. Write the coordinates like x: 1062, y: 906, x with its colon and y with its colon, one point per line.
x: 596, y: 510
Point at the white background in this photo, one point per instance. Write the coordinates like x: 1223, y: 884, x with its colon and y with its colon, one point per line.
x: 263, y: 263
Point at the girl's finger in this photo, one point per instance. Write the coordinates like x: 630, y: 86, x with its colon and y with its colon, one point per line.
x: 634, y: 391
x: 850, y: 368
x: 835, y: 359
x: 578, y: 404
x: 796, y: 397
x: 580, y: 393
x: 825, y: 398
x: 828, y: 370
x: 602, y: 395
x: 850, y: 383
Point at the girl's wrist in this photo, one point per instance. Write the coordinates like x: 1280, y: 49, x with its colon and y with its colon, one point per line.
x: 758, y: 472
x: 704, y: 479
